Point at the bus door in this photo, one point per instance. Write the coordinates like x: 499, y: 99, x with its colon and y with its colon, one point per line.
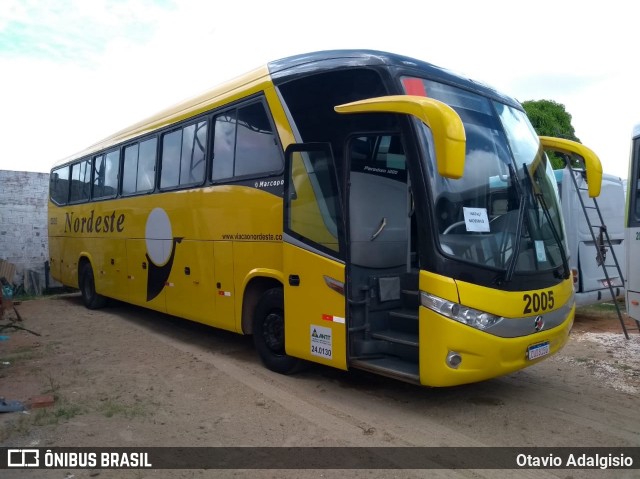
x: 314, y: 257
x: 382, y: 269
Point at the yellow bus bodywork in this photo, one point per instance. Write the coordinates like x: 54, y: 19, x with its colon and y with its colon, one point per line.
x: 313, y: 308
x: 484, y: 355
x: 223, y: 246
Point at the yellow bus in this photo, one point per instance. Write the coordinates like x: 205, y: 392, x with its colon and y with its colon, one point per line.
x: 356, y: 209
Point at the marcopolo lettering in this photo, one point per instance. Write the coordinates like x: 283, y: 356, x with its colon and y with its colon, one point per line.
x: 267, y: 183
x: 107, y: 223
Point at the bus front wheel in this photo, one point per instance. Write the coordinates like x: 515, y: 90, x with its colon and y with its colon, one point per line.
x: 268, y: 333
x: 90, y: 298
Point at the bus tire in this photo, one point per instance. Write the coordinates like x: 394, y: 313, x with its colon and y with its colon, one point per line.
x: 90, y: 298
x: 268, y: 333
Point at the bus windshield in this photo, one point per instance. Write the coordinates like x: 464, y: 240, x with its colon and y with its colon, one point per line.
x: 504, y: 213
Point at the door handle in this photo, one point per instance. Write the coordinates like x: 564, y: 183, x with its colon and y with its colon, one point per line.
x: 294, y: 280
x: 383, y: 223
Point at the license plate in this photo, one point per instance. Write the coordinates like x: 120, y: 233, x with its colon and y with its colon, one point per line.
x: 538, y: 350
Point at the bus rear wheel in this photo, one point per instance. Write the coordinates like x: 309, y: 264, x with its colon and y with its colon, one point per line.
x: 268, y: 333
x: 90, y: 298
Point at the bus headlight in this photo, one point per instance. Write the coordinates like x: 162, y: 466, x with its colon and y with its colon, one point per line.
x: 458, y: 312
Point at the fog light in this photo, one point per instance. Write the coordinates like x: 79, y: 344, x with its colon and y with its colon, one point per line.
x: 453, y: 360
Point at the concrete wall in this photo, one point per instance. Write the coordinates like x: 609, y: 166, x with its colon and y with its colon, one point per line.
x: 23, y: 224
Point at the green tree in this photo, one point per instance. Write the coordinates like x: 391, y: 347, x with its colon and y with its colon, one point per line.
x: 550, y: 118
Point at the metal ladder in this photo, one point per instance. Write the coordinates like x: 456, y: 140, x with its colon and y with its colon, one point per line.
x: 602, y: 242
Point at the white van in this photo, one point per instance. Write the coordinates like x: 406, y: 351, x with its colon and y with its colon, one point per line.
x: 589, y: 278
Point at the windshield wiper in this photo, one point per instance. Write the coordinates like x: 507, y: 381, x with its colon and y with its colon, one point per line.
x: 563, y: 255
x: 511, y: 267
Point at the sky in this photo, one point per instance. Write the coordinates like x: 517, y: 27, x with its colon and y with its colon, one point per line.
x: 75, y: 71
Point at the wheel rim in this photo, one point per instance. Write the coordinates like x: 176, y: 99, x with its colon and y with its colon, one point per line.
x: 273, y: 332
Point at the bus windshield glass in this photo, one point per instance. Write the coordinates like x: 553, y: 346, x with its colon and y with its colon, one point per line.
x: 504, y: 213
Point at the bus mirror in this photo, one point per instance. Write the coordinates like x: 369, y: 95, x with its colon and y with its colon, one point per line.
x: 446, y: 125
x: 591, y: 161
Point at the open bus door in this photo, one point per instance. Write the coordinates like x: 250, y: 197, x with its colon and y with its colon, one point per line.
x: 314, y: 241
x: 313, y: 257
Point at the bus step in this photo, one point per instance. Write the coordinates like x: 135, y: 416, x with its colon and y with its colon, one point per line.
x: 400, y: 337
x: 411, y: 298
x: 411, y: 292
x: 391, y: 367
x: 404, y: 314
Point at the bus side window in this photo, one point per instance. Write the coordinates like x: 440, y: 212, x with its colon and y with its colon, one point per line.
x: 257, y: 151
x: 80, y: 181
x: 183, y: 154
x: 224, y: 140
x: 244, y: 144
x: 138, y: 175
x: 59, y: 185
x: 105, y: 175
x: 130, y: 169
x: 170, y: 159
x: 145, y: 179
x: 194, y: 141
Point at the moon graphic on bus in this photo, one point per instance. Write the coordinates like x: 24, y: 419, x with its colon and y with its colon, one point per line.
x: 161, y: 249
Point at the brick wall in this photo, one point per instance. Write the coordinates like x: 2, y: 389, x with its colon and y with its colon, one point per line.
x: 23, y: 223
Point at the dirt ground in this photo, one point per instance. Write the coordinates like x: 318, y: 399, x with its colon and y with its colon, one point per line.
x: 125, y: 376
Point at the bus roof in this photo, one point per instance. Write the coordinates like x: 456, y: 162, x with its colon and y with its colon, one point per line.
x: 292, y: 67
x: 284, y: 70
